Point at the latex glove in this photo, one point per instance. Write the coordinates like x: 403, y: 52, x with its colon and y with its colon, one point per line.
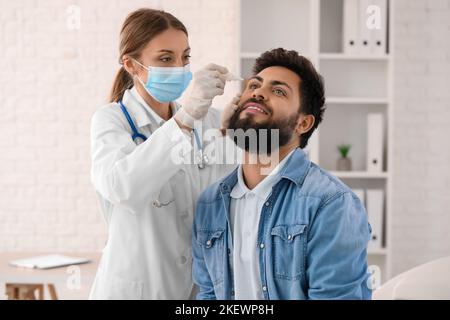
x: 208, y: 83
x: 229, y: 111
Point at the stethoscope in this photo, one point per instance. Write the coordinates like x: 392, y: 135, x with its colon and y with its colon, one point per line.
x: 202, y: 159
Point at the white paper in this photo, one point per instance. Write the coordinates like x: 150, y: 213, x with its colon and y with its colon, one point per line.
x: 47, y: 262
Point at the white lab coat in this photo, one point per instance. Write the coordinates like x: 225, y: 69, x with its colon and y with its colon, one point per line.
x: 148, y: 251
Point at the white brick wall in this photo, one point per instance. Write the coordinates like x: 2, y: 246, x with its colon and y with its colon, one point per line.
x: 421, y: 188
x: 52, y: 79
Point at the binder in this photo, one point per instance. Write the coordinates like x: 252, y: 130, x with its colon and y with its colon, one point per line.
x: 375, y: 142
x: 360, y: 194
x: 350, y: 27
x: 378, y: 40
x: 365, y: 34
x: 375, y: 205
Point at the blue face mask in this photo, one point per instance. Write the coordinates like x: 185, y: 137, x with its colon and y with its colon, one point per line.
x: 166, y: 84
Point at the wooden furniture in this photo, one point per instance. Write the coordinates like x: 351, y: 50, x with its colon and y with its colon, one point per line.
x: 27, y: 291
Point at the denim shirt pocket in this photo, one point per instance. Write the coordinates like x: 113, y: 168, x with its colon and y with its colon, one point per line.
x: 212, y: 243
x: 289, y: 250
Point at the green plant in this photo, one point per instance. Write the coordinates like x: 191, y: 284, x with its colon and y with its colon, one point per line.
x: 344, y: 149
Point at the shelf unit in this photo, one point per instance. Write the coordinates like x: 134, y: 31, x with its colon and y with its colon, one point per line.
x: 355, y: 57
x: 355, y: 86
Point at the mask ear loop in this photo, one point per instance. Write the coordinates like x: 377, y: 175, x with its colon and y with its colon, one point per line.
x: 146, y: 68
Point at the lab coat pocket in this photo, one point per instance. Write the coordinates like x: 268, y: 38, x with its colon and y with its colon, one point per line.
x: 112, y: 287
x: 212, y: 242
x: 180, y: 189
x: 289, y: 251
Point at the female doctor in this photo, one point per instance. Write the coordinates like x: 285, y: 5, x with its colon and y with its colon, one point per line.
x: 146, y: 196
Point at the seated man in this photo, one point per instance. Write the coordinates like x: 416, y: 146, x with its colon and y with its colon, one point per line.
x: 296, y: 232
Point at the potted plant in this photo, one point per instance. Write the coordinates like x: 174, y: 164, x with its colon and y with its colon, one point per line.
x: 344, y: 162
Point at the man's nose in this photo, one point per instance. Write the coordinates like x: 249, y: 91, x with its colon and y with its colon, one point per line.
x: 259, y: 94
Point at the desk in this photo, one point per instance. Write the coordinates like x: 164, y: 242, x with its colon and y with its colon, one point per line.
x: 65, y: 279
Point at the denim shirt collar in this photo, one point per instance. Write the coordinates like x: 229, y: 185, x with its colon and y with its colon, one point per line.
x: 297, y: 167
x: 295, y: 170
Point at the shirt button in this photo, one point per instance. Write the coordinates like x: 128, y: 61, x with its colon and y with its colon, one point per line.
x: 208, y: 243
x: 262, y: 246
x: 183, y: 259
x: 264, y: 288
x: 229, y: 251
x: 267, y: 203
x: 289, y: 237
x: 232, y: 292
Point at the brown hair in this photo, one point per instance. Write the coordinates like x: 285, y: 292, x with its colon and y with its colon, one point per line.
x: 312, y: 92
x: 139, y: 28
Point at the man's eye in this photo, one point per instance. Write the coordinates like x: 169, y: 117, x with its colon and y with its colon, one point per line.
x: 166, y: 59
x: 188, y: 56
x: 279, y: 92
x: 252, y: 86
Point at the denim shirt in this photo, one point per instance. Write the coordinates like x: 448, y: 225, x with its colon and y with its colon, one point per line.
x: 312, y: 238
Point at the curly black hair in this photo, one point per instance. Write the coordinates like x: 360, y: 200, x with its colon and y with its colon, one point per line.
x: 312, y: 92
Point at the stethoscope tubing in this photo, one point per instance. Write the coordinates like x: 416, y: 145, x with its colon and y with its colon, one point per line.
x: 137, y: 135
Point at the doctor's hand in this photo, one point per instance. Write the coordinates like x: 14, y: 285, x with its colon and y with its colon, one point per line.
x: 208, y: 83
x: 228, y: 112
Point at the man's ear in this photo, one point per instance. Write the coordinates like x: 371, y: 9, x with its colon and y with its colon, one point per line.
x: 305, y: 123
x: 129, y: 65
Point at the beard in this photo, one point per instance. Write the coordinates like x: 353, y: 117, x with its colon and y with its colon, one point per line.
x: 261, y: 137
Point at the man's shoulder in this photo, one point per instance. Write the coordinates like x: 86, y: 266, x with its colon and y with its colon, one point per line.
x: 322, y: 184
